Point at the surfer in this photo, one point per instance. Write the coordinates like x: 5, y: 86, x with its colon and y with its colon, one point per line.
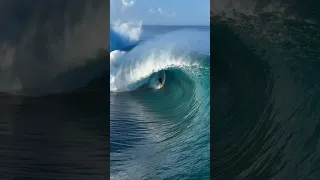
x: 160, y: 80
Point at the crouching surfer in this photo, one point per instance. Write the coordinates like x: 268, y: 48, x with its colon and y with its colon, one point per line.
x: 160, y: 82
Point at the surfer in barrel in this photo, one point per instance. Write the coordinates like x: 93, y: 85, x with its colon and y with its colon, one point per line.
x: 160, y: 80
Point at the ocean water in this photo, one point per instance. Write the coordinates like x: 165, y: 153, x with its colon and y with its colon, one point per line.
x: 266, y: 62
x: 159, y: 133
x: 53, y: 99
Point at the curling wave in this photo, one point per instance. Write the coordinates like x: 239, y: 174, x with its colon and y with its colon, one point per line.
x: 131, y: 70
x: 266, y: 109
x: 160, y: 131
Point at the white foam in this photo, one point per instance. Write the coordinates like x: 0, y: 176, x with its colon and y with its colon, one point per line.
x: 131, y: 70
x: 130, y: 30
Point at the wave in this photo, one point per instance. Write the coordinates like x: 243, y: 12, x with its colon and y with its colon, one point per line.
x: 47, y: 40
x: 130, y: 70
x: 265, y: 91
x: 163, y: 122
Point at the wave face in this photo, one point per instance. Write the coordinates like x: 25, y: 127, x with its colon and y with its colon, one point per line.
x: 48, y: 46
x: 160, y: 131
x: 266, y: 90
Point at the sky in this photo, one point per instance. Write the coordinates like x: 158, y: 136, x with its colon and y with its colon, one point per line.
x: 161, y: 12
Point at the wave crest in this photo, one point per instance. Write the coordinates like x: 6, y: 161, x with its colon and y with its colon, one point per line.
x: 183, y: 48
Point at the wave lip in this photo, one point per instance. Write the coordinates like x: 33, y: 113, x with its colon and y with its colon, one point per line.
x: 179, y: 49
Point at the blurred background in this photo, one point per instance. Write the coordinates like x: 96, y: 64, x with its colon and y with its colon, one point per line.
x: 265, y: 79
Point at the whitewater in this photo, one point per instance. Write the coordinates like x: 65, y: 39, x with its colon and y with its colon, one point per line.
x: 130, y: 70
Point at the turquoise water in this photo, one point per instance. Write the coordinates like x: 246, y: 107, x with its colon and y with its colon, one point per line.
x: 161, y: 133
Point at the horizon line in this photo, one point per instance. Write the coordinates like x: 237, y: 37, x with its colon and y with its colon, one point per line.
x: 175, y: 24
